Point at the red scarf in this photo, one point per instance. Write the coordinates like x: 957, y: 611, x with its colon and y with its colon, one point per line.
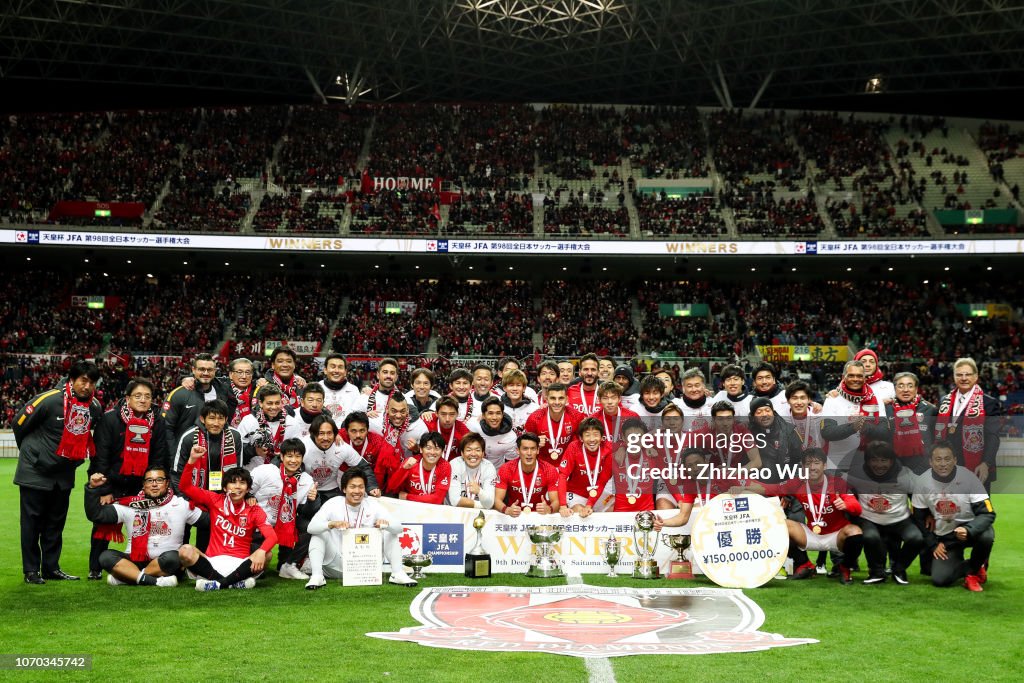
x: 137, y: 434
x: 906, y: 436
x: 972, y: 419
x: 288, y: 389
x: 392, y: 434
x: 139, y: 533
x: 371, y: 401
x: 76, y: 442
x: 264, y: 423
x: 863, y: 398
x: 877, y: 374
x: 287, y: 535
x: 244, y: 403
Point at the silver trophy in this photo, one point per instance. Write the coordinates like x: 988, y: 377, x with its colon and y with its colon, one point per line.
x: 418, y: 563
x: 611, y: 547
x: 544, y: 564
x: 645, y: 567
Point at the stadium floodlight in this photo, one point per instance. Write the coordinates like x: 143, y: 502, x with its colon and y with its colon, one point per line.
x: 875, y: 85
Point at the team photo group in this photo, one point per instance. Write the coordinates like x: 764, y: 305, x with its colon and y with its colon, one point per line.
x: 233, y: 468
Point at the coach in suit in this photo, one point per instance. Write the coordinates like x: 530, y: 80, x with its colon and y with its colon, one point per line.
x: 968, y: 418
x: 54, y: 436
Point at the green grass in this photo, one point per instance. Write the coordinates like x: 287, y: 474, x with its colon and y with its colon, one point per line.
x: 281, y: 632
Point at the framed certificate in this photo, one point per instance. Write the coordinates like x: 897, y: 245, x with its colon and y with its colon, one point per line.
x: 362, y: 557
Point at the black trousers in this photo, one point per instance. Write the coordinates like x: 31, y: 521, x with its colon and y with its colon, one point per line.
x: 902, y: 541
x: 954, y: 567
x: 43, y: 515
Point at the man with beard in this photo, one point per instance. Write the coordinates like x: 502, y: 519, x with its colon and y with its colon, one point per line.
x: 425, y: 478
x: 129, y: 440
x: 850, y: 417
x: 283, y: 362
x: 778, y: 443
x: 288, y: 497
x: 966, y: 420
x: 422, y: 394
x: 553, y: 425
x: 239, y: 383
x: 383, y: 457
x: 518, y: 405
x: 547, y: 374
x: 445, y: 421
x: 263, y: 430
x: 913, y: 423
x: 325, y: 459
x: 396, y: 425
x: 694, y: 402
x: 375, y: 403
x: 340, y: 395
x: 583, y: 396
x: 883, y: 488
x: 495, y: 426
x: 626, y: 380
x: 766, y: 385
x: 156, y: 521
x: 181, y: 408
x: 528, y: 483
x: 54, y: 436
x: 587, y: 470
x: 734, y: 390
x: 473, y: 477
x: 311, y: 405
x: 725, y: 439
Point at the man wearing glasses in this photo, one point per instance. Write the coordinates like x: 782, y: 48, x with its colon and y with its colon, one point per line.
x: 129, y: 439
x: 965, y: 420
x: 181, y: 408
x: 913, y: 423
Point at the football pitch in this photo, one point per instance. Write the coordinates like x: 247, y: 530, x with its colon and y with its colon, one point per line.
x: 281, y: 632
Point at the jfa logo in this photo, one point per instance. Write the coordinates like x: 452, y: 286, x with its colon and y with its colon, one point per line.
x: 812, y: 247
x: 442, y: 246
x: 728, y: 506
x: 742, y: 505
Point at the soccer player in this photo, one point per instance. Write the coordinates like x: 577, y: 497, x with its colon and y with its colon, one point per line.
x: 396, y: 425
x: 883, y: 488
x: 517, y: 402
x: 547, y: 374
x: 483, y: 383
x: 694, y: 489
x: 473, y: 477
x: 444, y: 420
x: 726, y: 430
x: 853, y: 416
x: 828, y: 505
x: 806, y: 425
x: 425, y: 478
x: 353, y: 510
x: 587, y: 469
x: 612, y: 413
x: 283, y: 362
x: 287, y: 494
x: 961, y: 511
x: 263, y: 430
x: 766, y: 385
x: 129, y: 439
x: 734, y: 390
x: 495, y: 426
x: 156, y: 521
x: 310, y: 406
x: 555, y: 425
x: 422, y: 395
x: 222, y: 448
x: 506, y: 365
x: 325, y: 457
x: 371, y: 447
x: 460, y: 382
x: 605, y: 369
x: 583, y: 396
x: 375, y: 403
x: 652, y: 400
x: 228, y: 561
x: 527, y: 483
x: 913, y: 423
x: 340, y: 395
x: 962, y: 422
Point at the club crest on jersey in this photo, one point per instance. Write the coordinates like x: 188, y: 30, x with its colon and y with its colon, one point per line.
x: 589, y: 621
x: 946, y: 508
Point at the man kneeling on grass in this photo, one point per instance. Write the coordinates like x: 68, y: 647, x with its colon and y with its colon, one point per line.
x: 232, y: 523
x: 353, y: 510
x: 826, y: 502
x: 156, y: 520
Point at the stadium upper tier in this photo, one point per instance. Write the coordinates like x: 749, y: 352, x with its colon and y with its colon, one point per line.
x: 513, y: 170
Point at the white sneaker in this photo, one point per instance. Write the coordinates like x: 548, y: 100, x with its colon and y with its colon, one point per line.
x: 290, y: 571
x: 167, y: 581
x: 203, y: 585
x: 247, y: 584
x: 316, y: 582
x: 401, y: 580
x: 114, y: 581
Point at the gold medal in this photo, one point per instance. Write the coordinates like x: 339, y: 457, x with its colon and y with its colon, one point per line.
x: 673, y: 481
x: 527, y: 507
x: 816, y: 529
x: 592, y: 493
x: 951, y: 427
x: 631, y: 499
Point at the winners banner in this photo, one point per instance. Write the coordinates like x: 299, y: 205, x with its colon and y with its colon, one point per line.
x: 446, y: 534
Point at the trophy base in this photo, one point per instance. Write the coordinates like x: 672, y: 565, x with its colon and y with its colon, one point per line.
x: 545, y: 570
x: 680, y: 570
x: 478, y: 566
x: 646, y: 569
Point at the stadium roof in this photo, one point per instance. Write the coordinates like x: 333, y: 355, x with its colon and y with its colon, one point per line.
x: 714, y: 53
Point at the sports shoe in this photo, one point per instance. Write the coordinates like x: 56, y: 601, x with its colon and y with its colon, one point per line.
x: 316, y: 582
x: 982, y: 575
x: 167, y: 581
x: 973, y: 583
x: 804, y: 571
x: 114, y: 581
x: 874, y: 578
x: 844, y: 575
x: 900, y: 575
x: 820, y: 570
x: 401, y: 580
x: 246, y: 584
x: 290, y: 571
x: 95, y: 575
x: 203, y: 585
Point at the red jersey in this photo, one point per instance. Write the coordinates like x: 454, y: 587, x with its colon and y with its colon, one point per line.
x: 548, y: 479
x: 423, y: 486
x: 559, y: 434
x: 634, y: 488
x: 381, y: 455
x: 582, y: 401
x: 231, y: 528
x: 704, y: 489
x: 451, y: 446
x: 613, y: 425
x: 831, y: 518
x: 577, y: 481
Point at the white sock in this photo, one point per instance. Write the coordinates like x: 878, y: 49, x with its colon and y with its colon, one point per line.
x: 317, y: 551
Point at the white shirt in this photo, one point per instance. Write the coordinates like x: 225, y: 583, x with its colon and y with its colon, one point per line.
x: 884, y: 503
x: 840, y: 453
x: 267, y: 487
x: 498, y: 449
x: 340, y: 402
x: 884, y: 390
x: 742, y: 407
x: 377, y: 427
x: 248, y: 428
x: 295, y: 427
x: 325, y: 466
x: 337, y: 509
x: 950, y: 503
x: 166, y: 524
x: 808, y: 429
x: 520, y: 413
x: 484, y: 473
x: 695, y: 419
